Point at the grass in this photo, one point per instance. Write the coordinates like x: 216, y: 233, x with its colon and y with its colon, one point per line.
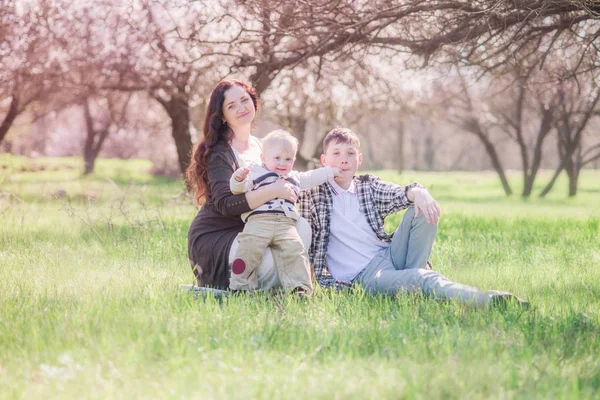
x: 90, y: 305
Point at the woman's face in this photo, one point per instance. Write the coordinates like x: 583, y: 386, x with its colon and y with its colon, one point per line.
x: 238, y: 108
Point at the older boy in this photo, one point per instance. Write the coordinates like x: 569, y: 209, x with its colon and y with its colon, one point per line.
x: 349, y: 244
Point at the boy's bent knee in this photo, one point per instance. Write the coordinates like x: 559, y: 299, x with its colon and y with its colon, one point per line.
x: 421, y: 219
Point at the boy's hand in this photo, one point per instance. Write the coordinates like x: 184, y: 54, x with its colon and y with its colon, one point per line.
x: 426, y: 204
x: 337, y: 172
x: 241, y: 174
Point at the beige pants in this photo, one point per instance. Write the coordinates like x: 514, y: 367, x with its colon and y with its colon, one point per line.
x: 267, y: 275
x: 278, y: 232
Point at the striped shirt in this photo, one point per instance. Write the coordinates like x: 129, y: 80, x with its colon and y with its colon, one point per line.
x: 260, y: 177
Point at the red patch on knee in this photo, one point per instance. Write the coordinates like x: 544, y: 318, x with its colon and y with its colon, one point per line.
x: 238, y: 266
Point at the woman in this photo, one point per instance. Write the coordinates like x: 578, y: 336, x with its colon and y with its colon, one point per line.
x: 227, y: 145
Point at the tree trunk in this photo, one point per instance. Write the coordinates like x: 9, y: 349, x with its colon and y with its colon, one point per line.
x: 261, y: 79
x: 518, y: 128
x: 88, y: 147
x: 89, y: 163
x: 573, y: 181
x: 525, y: 166
x: 572, y: 173
x: 10, y: 117
x: 491, y: 151
x: 544, y: 130
x: 400, y: 149
x: 429, y: 153
x: 93, y: 141
x: 472, y: 125
x: 553, y: 180
x: 178, y: 110
x: 528, y: 184
x: 90, y: 155
x: 314, y: 160
x: 416, y: 151
x: 298, y: 127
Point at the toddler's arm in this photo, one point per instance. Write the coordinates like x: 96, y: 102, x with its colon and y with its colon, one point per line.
x: 317, y: 176
x: 240, y: 181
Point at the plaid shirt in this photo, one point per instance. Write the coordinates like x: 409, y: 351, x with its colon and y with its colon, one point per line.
x: 376, y: 198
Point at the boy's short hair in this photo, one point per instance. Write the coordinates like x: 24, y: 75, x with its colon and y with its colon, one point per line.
x: 280, y: 137
x: 340, y: 135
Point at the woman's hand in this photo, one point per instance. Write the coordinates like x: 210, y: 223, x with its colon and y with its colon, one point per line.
x: 425, y: 203
x: 284, y: 190
x: 280, y: 188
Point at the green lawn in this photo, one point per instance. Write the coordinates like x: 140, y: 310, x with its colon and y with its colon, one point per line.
x: 90, y: 305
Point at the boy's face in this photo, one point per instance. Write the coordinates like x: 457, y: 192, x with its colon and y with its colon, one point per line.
x: 345, y: 156
x: 279, y: 158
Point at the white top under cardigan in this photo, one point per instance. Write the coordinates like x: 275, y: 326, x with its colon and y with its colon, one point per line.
x: 250, y: 156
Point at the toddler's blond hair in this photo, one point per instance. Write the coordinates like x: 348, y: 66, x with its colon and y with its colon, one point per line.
x: 280, y: 137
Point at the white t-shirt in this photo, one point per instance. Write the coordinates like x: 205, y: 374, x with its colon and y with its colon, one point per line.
x: 352, y: 242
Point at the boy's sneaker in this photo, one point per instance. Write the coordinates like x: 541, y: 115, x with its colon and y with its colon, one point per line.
x: 499, y: 299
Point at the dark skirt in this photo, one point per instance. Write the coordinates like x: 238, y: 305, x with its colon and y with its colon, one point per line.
x: 217, y: 223
x: 209, y: 242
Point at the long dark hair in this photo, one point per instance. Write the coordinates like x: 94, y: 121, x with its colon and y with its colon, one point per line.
x: 215, y: 131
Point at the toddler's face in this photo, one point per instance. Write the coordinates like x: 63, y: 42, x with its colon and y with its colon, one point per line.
x: 279, y: 159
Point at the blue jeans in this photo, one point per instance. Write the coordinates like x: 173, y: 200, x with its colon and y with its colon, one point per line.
x: 400, y: 267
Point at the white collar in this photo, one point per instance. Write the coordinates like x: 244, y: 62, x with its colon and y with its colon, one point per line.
x: 337, y: 189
